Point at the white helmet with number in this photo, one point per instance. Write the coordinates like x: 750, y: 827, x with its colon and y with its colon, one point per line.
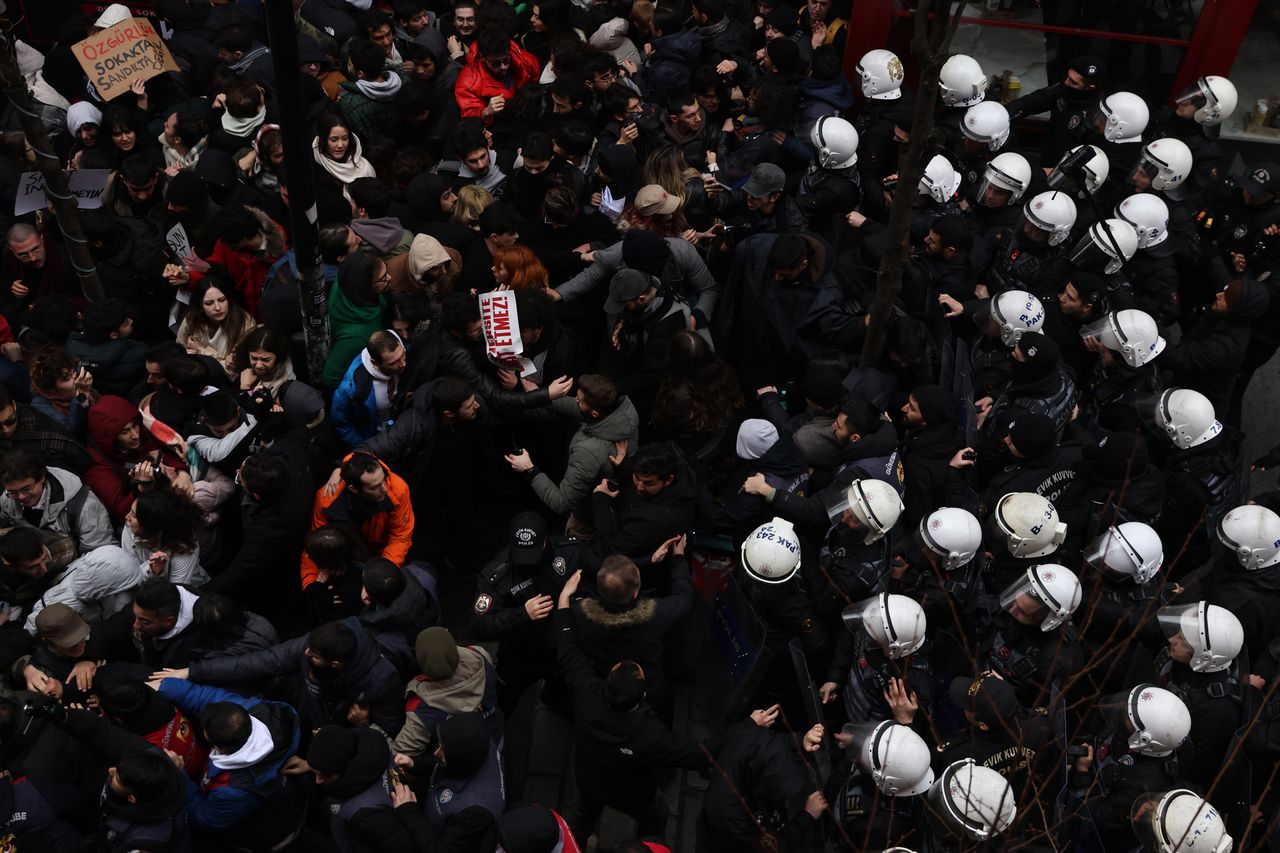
x: 971, y: 802
x: 951, y: 533
x: 1126, y: 117
x: 1156, y: 721
x: 881, y: 73
x: 1053, y: 590
x: 1027, y: 525
x: 962, y: 81
x: 771, y: 552
x: 1253, y: 533
x: 895, y: 623
x: 1131, y: 333
x: 987, y: 123
x: 1215, y: 97
x: 1054, y: 213
x: 874, y: 503
x: 1186, y: 417
x: 1129, y: 551
x: 1008, y: 171
x: 1212, y: 634
x: 1178, y: 821
x: 1149, y: 216
x: 897, y: 758
x: 1166, y: 162
x: 1096, y: 169
x: 940, y: 179
x: 1105, y: 247
x: 1016, y: 312
x: 836, y: 142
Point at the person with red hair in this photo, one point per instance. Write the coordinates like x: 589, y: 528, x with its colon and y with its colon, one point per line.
x: 518, y: 268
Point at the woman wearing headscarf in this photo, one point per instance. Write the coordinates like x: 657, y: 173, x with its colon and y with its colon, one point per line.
x: 357, y: 309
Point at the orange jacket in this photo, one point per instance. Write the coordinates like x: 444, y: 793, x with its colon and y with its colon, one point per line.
x: 476, y: 86
x: 389, y: 531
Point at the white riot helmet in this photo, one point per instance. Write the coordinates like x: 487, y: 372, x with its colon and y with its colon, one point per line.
x: 1126, y: 117
x: 897, y: 758
x: 836, y: 142
x: 971, y: 802
x: 1215, y: 97
x: 895, y: 623
x: 874, y: 503
x: 1053, y: 591
x: 1156, y: 721
x: 1166, y: 162
x: 1129, y: 551
x: 952, y: 534
x: 962, y: 81
x: 1131, y: 333
x: 986, y: 123
x: 1105, y: 246
x: 1007, y: 171
x: 1087, y: 164
x: 940, y: 179
x: 1178, y: 821
x: 1213, y: 634
x: 1149, y: 216
x: 1186, y: 417
x: 1253, y: 533
x: 881, y: 73
x: 771, y: 552
x: 1016, y: 312
x: 1027, y: 525
x: 1053, y: 213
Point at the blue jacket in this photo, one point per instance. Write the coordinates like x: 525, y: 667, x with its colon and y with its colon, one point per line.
x: 355, y: 406
x: 227, y: 799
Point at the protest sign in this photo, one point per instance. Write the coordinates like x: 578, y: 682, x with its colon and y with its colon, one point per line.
x: 178, y: 242
x: 87, y: 186
x: 114, y: 58
x: 501, y: 327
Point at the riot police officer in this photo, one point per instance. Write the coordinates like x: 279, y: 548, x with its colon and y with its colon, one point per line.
x: 1133, y: 754
x: 940, y: 565
x: 1154, y: 267
x: 517, y: 594
x: 1123, y: 589
x: 876, y: 661
x: 1237, y: 216
x: 993, y: 201
x: 967, y: 804
x: 1199, y: 667
x: 1127, y: 344
x: 1163, y: 821
x: 961, y: 84
x: 879, y: 798
x: 1001, y: 321
x: 1028, y: 256
x: 887, y: 110
x: 832, y: 186
x: 1196, y: 117
x: 1025, y: 635
x: 1021, y: 530
x: 1247, y: 579
x: 853, y: 562
x: 983, y: 133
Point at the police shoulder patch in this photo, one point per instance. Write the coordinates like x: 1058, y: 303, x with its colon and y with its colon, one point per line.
x: 483, y: 602
x: 558, y: 566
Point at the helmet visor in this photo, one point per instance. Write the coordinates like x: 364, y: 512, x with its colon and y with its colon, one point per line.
x: 1089, y: 255
x: 1032, y: 603
x: 1146, y: 168
x: 998, y: 189
x: 1120, y: 714
x: 1198, y: 94
x: 1145, y: 818
x: 1128, y: 563
x: 864, y: 746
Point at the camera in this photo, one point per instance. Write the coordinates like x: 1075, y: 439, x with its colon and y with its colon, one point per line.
x: 1068, y: 175
x: 91, y: 366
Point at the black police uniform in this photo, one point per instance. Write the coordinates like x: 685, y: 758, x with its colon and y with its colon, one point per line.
x: 865, y: 670
x: 872, y: 818
x: 1122, y: 776
x: 1019, y: 263
x: 1216, y: 702
x: 1028, y: 658
x: 1070, y: 111
x: 526, y: 649
x: 1230, y: 226
x: 1016, y: 752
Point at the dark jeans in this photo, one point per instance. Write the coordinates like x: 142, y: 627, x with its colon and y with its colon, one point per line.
x: 651, y: 815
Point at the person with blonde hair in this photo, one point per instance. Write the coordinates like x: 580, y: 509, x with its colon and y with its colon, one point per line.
x: 472, y: 201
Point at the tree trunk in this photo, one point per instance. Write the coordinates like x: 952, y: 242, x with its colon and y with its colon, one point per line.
x: 929, y: 47
x: 57, y: 184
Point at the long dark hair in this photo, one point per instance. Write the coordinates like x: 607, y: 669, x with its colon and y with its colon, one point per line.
x: 170, y: 521
x: 698, y: 387
x: 263, y: 339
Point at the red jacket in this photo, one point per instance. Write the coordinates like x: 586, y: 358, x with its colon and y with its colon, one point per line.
x: 476, y: 86
x: 249, y: 272
x: 106, y: 476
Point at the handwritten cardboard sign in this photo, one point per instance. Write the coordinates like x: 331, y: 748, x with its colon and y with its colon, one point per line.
x: 114, y: 58
x: 178, y: 242
x: 87, y: 185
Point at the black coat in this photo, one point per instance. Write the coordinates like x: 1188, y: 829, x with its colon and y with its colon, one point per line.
x: 618, y: 754
x: 635, y: 524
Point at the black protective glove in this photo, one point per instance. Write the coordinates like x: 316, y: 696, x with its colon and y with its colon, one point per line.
x: 1270, y: 459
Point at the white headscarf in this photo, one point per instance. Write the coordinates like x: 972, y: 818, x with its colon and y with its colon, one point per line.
x: 348, y: 170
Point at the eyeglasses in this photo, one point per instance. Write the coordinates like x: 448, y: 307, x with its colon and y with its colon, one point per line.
x: 9, y: 422
x: 21, y: 493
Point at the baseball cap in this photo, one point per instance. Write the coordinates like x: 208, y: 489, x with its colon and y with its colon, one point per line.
x: 60, y: 625
x: 1091, y: 68
x: 653, y: 199
x: 992, y: 700
x: 1262, y: 179
x: 626, y: 284
x: 528, y: 538
x: 765, y: 178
